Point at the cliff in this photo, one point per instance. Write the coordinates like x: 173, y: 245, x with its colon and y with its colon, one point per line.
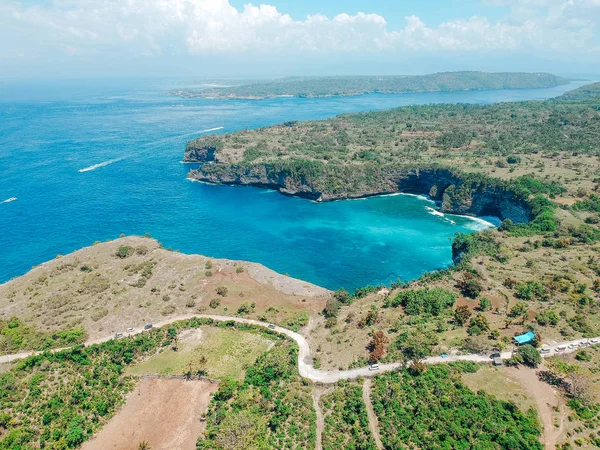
x: 458, y: 193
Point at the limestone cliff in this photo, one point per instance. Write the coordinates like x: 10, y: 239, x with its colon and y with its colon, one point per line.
x: 458, y: 193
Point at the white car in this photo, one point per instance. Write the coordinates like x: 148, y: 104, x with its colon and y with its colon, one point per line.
x: 271, y: 326
x: 594, y: 341
x: 562, y: 348
x: 374, y: 367
x: 130, y: 330
x: 583, y: 343
x: 545, y: 350
x: 573, y: 345
x: 118, y: 335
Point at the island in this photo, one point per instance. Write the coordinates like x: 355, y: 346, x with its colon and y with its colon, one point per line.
x: 129, y: 343
x: 342, y: 86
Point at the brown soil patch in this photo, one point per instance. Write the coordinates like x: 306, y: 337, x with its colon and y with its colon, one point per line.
x: 547, y: 399
x: 163, y: 412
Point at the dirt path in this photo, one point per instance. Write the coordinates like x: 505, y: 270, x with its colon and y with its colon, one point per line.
x: 373, y: 422
x: 317, y: 392
x: 163, y: 412
x: 546, y: 398
x: 305, y: 361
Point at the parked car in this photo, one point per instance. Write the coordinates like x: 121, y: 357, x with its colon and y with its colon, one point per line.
x: 272, y: 326
x: 130, y: 330
x: 562, y: 348
x: 583, y: 343
x: 374, y: 366
x: 495, y: 355
x: 148, y: 326
x: 594, y: 341
x: 545, y: 350
x: 572, y: 345
x: 118, y: 335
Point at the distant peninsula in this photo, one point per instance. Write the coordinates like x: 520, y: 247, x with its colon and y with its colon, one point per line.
x: 342, y: 86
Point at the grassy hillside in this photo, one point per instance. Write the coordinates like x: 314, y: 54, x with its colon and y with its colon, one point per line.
x: 108, y: 287
x: 356, y: 85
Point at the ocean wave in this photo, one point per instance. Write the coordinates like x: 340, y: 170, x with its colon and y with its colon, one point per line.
x: 9, y: 200
x: 102, y: 164
x: 478, y: 224
x: 434, y: 212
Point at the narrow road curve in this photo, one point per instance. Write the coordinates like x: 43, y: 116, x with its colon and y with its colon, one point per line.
x: 373, y: 422
x: 305, y: 362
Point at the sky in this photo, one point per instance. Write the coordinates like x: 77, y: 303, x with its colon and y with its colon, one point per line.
x: 239, y: 39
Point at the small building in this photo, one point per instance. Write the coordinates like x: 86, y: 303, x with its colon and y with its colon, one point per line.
x: 497, y: 361
x: 526, y: 338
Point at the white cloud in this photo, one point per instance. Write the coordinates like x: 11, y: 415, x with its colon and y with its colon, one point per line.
x: 212, y: 27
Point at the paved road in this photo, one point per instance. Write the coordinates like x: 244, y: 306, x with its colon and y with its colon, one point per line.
x: 305, y: 361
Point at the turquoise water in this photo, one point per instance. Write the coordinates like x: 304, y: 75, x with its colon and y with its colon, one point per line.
x: 130, y: 137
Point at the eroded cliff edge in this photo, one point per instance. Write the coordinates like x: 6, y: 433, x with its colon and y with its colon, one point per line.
x: 458, y: 193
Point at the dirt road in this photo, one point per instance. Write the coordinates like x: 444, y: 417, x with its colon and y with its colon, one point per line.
x: 305, y: 361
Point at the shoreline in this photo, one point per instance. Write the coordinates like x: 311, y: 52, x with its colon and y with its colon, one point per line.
x: 423, y: 197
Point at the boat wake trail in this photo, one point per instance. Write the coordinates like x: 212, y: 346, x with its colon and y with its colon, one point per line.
x: 112, y: 161
x: 12, y: 199
x: 102, y: 164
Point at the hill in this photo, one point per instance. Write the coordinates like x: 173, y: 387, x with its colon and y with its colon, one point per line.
x: 132, y: 281
x: 311, y: 87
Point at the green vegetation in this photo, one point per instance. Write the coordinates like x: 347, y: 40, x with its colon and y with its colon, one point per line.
x: 434, y: 410
x: 15, y: 336
x: 355, y: 85
x: 216, y: 352
x: 271, y: 409
x: 429, y: 301
x: 58, y: 400
x: 346, y: 420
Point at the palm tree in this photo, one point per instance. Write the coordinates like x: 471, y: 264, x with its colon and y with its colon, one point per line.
x: 143, y: 445
x: 202, y: 361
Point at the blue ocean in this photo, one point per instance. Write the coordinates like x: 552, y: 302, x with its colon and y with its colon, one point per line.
x: 84, y: 161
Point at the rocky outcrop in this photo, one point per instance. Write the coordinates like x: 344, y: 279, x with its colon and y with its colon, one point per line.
x: 457, y: 193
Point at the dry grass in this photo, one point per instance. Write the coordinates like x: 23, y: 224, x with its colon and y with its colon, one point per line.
x: 105, y: 294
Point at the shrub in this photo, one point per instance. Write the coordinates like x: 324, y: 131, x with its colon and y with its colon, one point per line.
x: 485, y: 304
x: 530, y: 355
x: 222, y: 291
x: 214, y: 303
x: 124, y: 251
x: 470, y: 286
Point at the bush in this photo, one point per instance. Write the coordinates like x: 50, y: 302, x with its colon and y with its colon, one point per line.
x: 485, y: 304
x: 470, y: 286
x: 222, y: 291
x: 214, y: 303
x: 124, y: 251
x: 530, y: 355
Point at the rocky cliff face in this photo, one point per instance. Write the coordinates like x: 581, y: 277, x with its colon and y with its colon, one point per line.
x: 456, y: 194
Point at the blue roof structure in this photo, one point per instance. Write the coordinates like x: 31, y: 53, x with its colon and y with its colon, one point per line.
x: 525, y: 338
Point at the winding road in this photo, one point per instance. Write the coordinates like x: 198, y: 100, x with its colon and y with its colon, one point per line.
x: 305, y: 361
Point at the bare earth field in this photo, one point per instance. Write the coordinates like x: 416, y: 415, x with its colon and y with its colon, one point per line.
x: 163, y: 412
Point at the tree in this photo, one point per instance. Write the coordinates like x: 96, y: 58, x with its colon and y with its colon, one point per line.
x: 530, y: 356
x: 332, y: 307
x: 461, y: 315
x: 478, y: 325
x: 377, y: 346
x: 518, y: 310
x: 469, y: 285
